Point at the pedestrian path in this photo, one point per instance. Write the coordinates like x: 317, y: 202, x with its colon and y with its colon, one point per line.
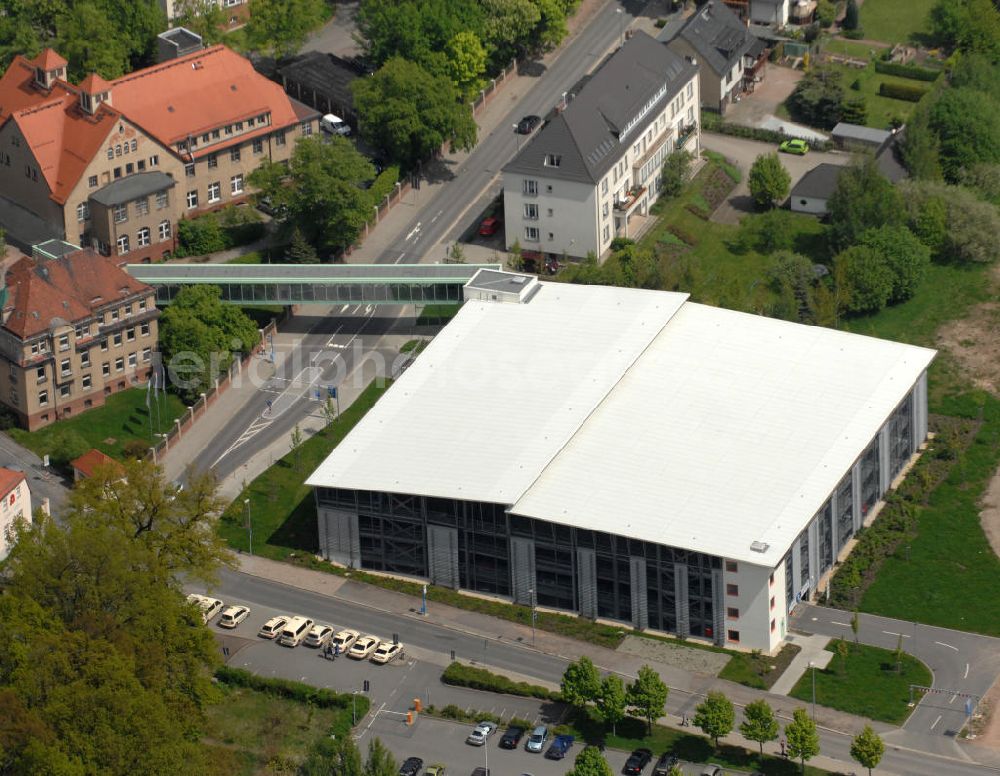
x: 813, y: 654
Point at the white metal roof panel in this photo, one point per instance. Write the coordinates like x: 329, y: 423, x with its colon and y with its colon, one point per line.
x: 498, y: 393
x: 730, y: 429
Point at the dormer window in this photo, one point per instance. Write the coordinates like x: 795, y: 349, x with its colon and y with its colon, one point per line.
x: 553, y: 160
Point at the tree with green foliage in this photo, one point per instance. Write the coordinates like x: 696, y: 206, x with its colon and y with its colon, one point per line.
x: 507, y: 27
x: 280, y: 27
x: 205, y: 19
x: 967, y: 124
x: 198, y: 337
x: 869, y: 276
x: 590, y: 762
x: 321, y: 189
x: 200, y: 236
x: 380, y: 761
x: 852, y: 17
x: 552, y: 28
x: 855, y: 624
x: 676, y: 170
x: 920, y: 149
x: 300, y: 250
x: 581, y: 683
x: 769, y: 181
x: 867, y: 749
x: 99, y: 649
x: 612, y: 700
x: 863, y: 199
x: 826, y: 13
x: 647, y: 695
x: 907, y: 258
x: 334, y: 756
x: 818, y: 98
x: 983, y: 179
x: 951, y: 221
x: 972, y: 26
x: 466, y: 62
x: 759, y: 723
x: 410, y: 113
x: 715, y: 716
x: 802, y: 737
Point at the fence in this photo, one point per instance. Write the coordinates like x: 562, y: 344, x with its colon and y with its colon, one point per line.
x: 200, y: 407
x: 412, y: 182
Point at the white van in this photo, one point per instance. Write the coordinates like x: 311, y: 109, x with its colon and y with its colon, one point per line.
x: 295, y: 631
x: 334, y: 125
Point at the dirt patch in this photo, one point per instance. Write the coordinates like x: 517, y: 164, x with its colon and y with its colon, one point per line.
x: 985, y: 725
x: 973, y: 342
x: 700, y: 661
x: 990, y: 514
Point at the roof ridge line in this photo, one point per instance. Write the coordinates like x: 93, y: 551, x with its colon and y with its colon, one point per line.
x: 600, y: 402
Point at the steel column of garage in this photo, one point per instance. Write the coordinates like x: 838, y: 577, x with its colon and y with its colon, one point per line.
x: 640, y: 610
x: 522, y: 570
x: 442, y: 555
x: 718, y: 609
x: 339, y: 539
x: 682, y: 607
x: 586, y: 582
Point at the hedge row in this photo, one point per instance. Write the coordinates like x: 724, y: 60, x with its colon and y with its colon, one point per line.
x: 295, y: 691
x: 384, y: 183
x: 480, y: 679
x: 906, y: 71
x: 908, y: 92
x: 713, y: 122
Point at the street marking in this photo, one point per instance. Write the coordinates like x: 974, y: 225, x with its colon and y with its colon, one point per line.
x: 966, y: 671
x: 400, y: 257
x: 893, y: 633
x: 415, y: 230
x: 936, y: 721
x: 942, y: 644
x: 953, y: 698
x: 842, y: 624
x: 437, y: 216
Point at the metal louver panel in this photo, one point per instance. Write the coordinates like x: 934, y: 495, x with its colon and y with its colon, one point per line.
x: 681, y: 605
x: 640, y: 610
x: 586, y: 580
x: 522, y: 563
x: 442, y: 552
x: 718, y: 608
x: 338, y: 536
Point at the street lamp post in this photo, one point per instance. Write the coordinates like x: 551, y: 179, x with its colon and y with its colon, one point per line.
x: 812, y: 666
x: 531, y: 592
x: 621, y: 27
x: 249, y: 524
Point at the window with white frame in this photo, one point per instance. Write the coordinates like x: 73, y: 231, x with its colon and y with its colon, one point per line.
x: 213, y: 161
x: 607, y: 233
x: 121, y: 213
x: 531, y: 233
x: 106, y: 368
x: 553, y: 160
x: 85, y: 358
x: 189, y: 170
x: 65, y: 368
x: 234, y: 154
x: 85, y: 382
x: 192, y: 199
x: 117, y: 340
x: 236, y: 184
x: 40, y: 374
x: 123, y: 245
x: 64, y: 342
x: 164, y: 230
x: 119, y: 364
x: 214, y: 191
x: 162, y: 199
x: 130, y: 335
x: 258, y: 146
x: 82, y: 211
x: 142, y: 237
x: 144, y: 330
x: 147, y: 354
x: 132, y: 359
x: 142, y: 206
x: 690, y: 90
x: 530, y: 187
x: 43, y: 398
x: 531, y: 210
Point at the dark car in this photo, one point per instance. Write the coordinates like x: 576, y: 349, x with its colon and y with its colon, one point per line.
x: 411, y: 766
x: 481, y: 772
x: 489, y: 226
x: 511, y: 737
x: 559, y: 746
x: 664, y: 764
x: 638, y: 760
x: 528, y: 124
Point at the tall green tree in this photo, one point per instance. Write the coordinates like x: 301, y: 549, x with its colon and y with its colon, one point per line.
x: 647, y: 695
x: 581, y: 683
x: 802, y: 737
x: 920, y: 148
x: 967, y: 124
x: 612, y: 701
x: 852, y: 17
x: 205, y: 19
x: 380, y: 761
x: 867, y: 749
x: 970, y: 25
x: 282, y: 26
x: 870, y: 278
x: 590, y: 762
x: 300, y: 250
x: 334, y: 756
x: 769, y: 181
x: 507, y: 26
x: 759, y: 723
x: 410, y: 113
x: 466, y: 62
x: 715, y: 716
x: 907, y: 258
x: 863, y: 199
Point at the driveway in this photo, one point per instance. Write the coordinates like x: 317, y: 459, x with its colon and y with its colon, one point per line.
x: 752, y: 109
x: 337, y: 35
x: 42, y: 481
x: 743, y: 153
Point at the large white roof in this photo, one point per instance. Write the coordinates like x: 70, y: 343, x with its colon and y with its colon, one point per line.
x: 497, y: 393
x: 632, y: 412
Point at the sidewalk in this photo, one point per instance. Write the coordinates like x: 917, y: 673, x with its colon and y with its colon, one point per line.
x: 813, y: 653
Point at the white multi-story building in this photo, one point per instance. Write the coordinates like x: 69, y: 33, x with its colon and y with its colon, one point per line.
x: 588, y: 172
x: 15, y: 504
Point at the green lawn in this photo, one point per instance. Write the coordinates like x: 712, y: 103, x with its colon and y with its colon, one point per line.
x: 881, y: 110
x: 849, y: 48
x: 949, y: 575
x: 759, y: 670
x: 253, y: 257
x: 895, y: 21
x: 437, y: 314
x: 281, y: 505
x: 123, y: 418
x: 866, y: 683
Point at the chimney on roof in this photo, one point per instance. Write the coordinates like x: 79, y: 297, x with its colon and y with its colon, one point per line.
x: 94, y: 90
x: 49, y: 67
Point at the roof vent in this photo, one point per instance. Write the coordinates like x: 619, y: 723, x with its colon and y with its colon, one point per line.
x: 759, y: 546
x: 519, y: 280
x: 233, y: 87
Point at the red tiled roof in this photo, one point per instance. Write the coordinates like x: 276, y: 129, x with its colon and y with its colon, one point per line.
x: 88, y: 463
x: 94, y: 84
x: 48, y: 60
x: 67, y: 288
x: 9, y: 479
x: 200, y: 92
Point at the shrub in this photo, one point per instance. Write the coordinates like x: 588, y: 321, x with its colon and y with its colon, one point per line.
x: 480, y: 679
x: 852, y: 16
x: 135, y: 448
x: 713, y: 122
x: 199, y: 236
x: 676, y: 169
x: 856, y: 34
x: 296, y: 691
x: 826, y: 13
x: 915, y: 72
x: 769, y: 181
x: 384, y: 183
x: 908, y: 92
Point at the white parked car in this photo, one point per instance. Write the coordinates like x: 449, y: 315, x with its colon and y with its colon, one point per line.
x: 363, y: 647
x: 271, y: 628
x: 209, y: 606
x: 481, y: 732
x: 387, y: 652
x: 334, y: 125
x: 345, y: 639
x: 233, y: 616
x: 319, y: 635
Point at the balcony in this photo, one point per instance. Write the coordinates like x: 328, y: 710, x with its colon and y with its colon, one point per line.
x: 631, y: 199
x: 685, y: 134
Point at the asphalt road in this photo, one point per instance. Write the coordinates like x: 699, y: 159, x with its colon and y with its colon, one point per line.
x: 457, y: 206
x: 428, y: 649
x: 42, y: 482
x: 963, y: 665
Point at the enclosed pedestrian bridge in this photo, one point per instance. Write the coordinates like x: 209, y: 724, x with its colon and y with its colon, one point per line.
x: 268, y: 284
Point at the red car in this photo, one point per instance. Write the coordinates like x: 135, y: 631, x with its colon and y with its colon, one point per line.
x: 489, y: 226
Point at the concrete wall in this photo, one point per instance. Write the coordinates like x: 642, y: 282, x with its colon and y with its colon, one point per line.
x: 814, y: 205
x: 753, y: 604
